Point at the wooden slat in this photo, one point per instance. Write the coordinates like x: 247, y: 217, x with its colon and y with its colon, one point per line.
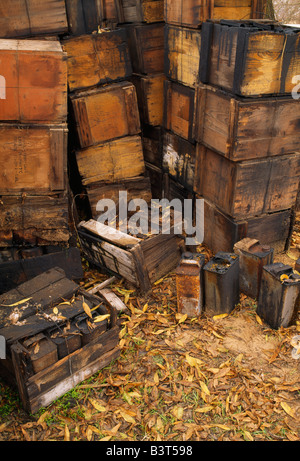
x: 146, y: 45
x: 150, y: 94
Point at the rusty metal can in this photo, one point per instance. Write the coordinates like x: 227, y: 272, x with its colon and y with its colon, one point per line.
x: 189, y: 284
x: 252, y: 257
x: 279, y: 297
x: 221, y: 283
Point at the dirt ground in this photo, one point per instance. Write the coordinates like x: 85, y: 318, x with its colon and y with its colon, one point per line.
x: 217, y: 378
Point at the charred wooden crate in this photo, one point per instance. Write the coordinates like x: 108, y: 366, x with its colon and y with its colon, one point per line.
x: 34, y: 220
x: 85, y: 16
x: 135, y: 188
x: 155, y: 175
x: 221, y: 283
x: 245, y: 128
x: 182, y: 54
x: 146, y: 46
x: 279, y: 299
x: 150, y: 95
x: 140, y: 260
x: 25, y: 18
x: 147, y: 11
x: 105, y: 113
x: 190, y: 284
x: 33, y: 81
x: 33, y: 158
x: 112, y: 161
x: 248, y: 188
x: 152, y: 139
x: 192, y: 13
x: 252, y: 257
x: 173, y: 190
x: 221, y: 232
x: 179, y: 157
x: 97, y: 59
x: 250, y: 59
x: 57, y: 335
x: 179, y: 110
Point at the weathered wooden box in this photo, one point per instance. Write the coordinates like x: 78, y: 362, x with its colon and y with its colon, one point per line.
x: 33, y: 158
x: 248, y: 188
x: 221, y: 232
x: 84, y: 16
x: 97, y: 59
x: 33, y: 81
x: 179, y: 110
x: 57, y: 335
x: 105, y: 113
x: 150, y: 95
x: 147, y: 11
x: 152, y: 139
x: 141, y: 259
x: 25, y: 18
x: 192, y: 13
x: 245, y: 128
x: 146, y: 46
x: 179, y: 157
x: 34, y: 220
x: 250, y: 59
x: 112, y: 161
x: 182, y: 54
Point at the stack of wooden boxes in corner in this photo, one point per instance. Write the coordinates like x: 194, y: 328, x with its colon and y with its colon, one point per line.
x: 33, y: 142
x: 103, y: 108
x: 183, y: 39
x: 247, y: 132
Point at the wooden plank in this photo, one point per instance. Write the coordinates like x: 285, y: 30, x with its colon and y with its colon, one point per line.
x: 105, y: 115
x: 97, y: 59
x: 150, y: 94
x: 83, y: 16
x: 152, y: 139
x: 112, y: 299
x: 23, y: 18
x: 147, y: 11
x: 110, y: 234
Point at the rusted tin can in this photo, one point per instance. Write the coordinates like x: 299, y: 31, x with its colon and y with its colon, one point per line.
x: 221, y: 283
x: 252, y: 257
x: 279, y: 297
x: 189, y: 284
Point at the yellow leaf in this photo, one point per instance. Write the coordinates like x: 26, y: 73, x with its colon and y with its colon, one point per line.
x: 248, y: 436
x: 125, y: 415
x: 87, y: 309
x: 158, y: 281
x: 156, y: 378
x: 178, y: 412
x: 283, y: 277
x: 181, y: 318
x: 67, y: 434
x: 23, y: 301
x: 217, y: 335
x: 97, y: 405
x: 288, y: 409
x: 221, y: 426
x: 258, y: 319
x: 55, y: 310
x: 204, y: 388
x: 101, y: 318
x: 106, y: 439
x: 220, y: 316
x: 205, y: 409
x: 145, y: 307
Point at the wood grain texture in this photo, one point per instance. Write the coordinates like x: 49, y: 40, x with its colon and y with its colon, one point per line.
x: 146, y: 45
x: 150, y: 95
x: 25, y: 18
x: 97, y: 59
x: 148, y: 11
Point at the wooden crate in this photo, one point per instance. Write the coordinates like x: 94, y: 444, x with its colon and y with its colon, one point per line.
x: 97, y: 59
x: 33, y: 80
x: 33, y: 158
x: 179, y: 110
x: 141, y: 261
x: 182, y: 54
x: 150, y: 95
x: 136, y: 188
x: 49, y: 354
x: 155, y: 175
x: 34, y: 220
x: 112, y: 161
x: 25, y: 18
x: 221, y: 232
x: 84, y: 16
x: 250, y: 59
x: 146, y: 46
x: 192, y: 13
x: 245, y: 128
x: 152, y: 139
x: 147, y: 11
x: 173, y: 190
x: 179, y: 157
x: 249, y: 188
x: 105, y: 113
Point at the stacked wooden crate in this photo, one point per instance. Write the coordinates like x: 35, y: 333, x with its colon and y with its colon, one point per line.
x: 33, y: 143
x: 183, y: 37
x: 247, y: 132
x: 104, y: 109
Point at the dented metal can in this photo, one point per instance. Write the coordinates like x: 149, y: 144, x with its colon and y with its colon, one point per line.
x: 189, y: 284
x: 279, y: 298
x: 221, y: 283
x: 253, y: 256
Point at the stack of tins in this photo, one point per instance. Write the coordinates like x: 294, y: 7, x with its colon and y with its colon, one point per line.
x: 183, y: 38
x: 246, y: 127
x: 33, y: 139
x: 104, y: 112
